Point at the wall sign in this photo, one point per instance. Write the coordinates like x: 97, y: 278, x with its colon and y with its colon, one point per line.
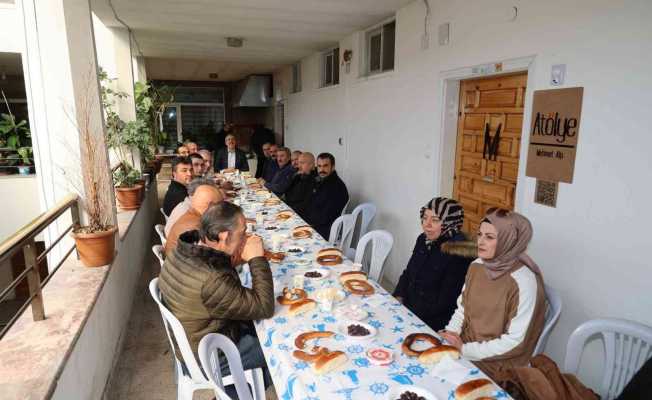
x: 554, y: 132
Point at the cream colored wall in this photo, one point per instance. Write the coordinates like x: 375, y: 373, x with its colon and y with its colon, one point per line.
x: 593, y: 246
x: 20, y: 204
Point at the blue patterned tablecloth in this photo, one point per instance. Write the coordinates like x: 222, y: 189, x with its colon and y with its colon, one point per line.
x: 358, y: 378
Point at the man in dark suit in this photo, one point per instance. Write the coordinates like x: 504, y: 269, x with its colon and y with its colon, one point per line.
x: 328, y: 198
x: 231, y: 157
x: 298, y: 194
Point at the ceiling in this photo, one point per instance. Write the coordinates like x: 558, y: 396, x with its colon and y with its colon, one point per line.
x: 275, y: 32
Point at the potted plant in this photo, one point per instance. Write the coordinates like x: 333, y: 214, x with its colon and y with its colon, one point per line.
x: 127, y: 188
x: 25, y: 166
x: 13, y: 135
x: 94, y: 239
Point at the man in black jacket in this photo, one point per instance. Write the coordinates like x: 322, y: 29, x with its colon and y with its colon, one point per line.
x: 328, y: 198
x: 177, y: 191
x: 271, y: 166
x: 298, y: 194
x: 231, y: 157
x: 263, y: 160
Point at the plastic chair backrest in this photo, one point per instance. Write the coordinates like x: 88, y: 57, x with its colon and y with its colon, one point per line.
x: 210, y: 362
x: 368, y: 212
x: 164, y: 215
x: 553, y: 311
x: 173, y: 328
x: 627, y: 344
x: 381, y: 244
x: 158, y: 251
x: 160, y: 229
x: 346, y: 206
x: 341, y: 230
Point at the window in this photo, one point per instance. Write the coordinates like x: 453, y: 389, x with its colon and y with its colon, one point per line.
x: 330, y: 67
x: 296, y: 78
x: 380, y: 48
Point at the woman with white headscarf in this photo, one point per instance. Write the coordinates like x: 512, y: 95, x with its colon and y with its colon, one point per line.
x: 501, y: 311
x: 434, y: 276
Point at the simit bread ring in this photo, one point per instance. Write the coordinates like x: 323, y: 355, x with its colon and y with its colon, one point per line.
x: 301, y: 340
x: 290, y: 297
x: 359, y: 287
x: 329, y: 259
x: 411, y: 338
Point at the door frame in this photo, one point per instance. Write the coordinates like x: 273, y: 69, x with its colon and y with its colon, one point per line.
x: 449, y: 96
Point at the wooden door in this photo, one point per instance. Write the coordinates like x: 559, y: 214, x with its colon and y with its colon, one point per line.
x: 486, y: 170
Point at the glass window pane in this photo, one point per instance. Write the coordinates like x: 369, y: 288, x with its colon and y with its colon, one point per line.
x: 189, y: 94
x: 389, y: 32
x: 169, y: 118
x: 374, y: 52
x: 336, y: 66
x: 201, y: 123
x: 328, y: 69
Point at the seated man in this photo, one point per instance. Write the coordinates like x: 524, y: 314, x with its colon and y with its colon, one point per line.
x: 203, y: 197
x: 328, y: 197
x: 262, y: 161
x: 184, y: 206
x: 283, y: 176
x: 271, y: 166
x: 177, y: 191
x: 182, y: 151
x: 298, y: 194
x: 201, y: 286
x: 197, y: 165
x: 192, y: 147
x: 231, y: 157
x: 208, y: 161
x: 295, y: 159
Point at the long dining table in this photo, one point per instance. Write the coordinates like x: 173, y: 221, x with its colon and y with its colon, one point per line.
x: 358, y: 378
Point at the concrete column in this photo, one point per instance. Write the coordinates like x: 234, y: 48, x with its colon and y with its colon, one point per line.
x: 126, y: 107
x: 63, y: 93
x: 140, y: 74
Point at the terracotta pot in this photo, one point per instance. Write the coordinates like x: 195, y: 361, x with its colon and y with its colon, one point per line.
x: 128, y: 197
x: 141, y: 184
x: 96, y: 249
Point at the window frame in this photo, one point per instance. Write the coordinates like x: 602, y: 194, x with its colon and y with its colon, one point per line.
x: 369, y: 33
x: 296, y: 78
x: 333, y: 52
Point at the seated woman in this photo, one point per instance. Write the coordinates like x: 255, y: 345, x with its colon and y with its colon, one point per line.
x: 434, y: 276
x: 500, y: 313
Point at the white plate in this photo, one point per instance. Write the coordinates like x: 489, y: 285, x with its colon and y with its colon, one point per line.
x: 396, y: 391
x: 338, y: 295
x: 344, y: 331
x: 324, y: 273
x: 349, y: 313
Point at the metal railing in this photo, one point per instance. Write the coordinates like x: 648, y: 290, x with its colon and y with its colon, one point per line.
x: 24, y: 240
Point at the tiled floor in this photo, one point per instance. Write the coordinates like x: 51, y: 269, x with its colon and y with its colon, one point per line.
x: 145, y: 369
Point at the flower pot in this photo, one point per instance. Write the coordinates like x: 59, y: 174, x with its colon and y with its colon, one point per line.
x: 141, y: 184
x: 128, y: 197
x: 24, y: 169
x: 96, y: 249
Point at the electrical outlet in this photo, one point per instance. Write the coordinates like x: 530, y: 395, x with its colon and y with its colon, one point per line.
x: 557, y: 74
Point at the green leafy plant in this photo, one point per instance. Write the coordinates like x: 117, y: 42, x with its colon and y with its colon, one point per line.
x: 25, y: 154
x: 125, y: 176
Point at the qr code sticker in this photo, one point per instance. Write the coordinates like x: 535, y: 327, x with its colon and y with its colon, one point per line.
x: 546, y: 193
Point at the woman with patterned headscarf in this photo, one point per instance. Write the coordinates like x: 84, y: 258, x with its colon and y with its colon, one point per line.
x: 501, y: 311
x: 434, y: 276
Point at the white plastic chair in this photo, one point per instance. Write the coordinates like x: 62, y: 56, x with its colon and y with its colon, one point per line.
x: 164, y: 215
x: 553, y: 310
x: 210, y: 362
x: 346, y: 206
x: 627, y: 345
x: 159, y: 252
x: 367, y: 212
x: 381, y: 244
x: 160, y: 229
x: 195, y: 379
x: 341, y: 231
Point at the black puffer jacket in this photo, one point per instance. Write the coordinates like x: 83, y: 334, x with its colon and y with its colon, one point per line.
x: 433, y: 278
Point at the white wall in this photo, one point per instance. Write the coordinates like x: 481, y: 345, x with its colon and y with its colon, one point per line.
x: 593, y: 246
x: 12, y: 39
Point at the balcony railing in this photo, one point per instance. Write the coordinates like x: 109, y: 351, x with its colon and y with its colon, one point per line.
x: 24, y: 240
